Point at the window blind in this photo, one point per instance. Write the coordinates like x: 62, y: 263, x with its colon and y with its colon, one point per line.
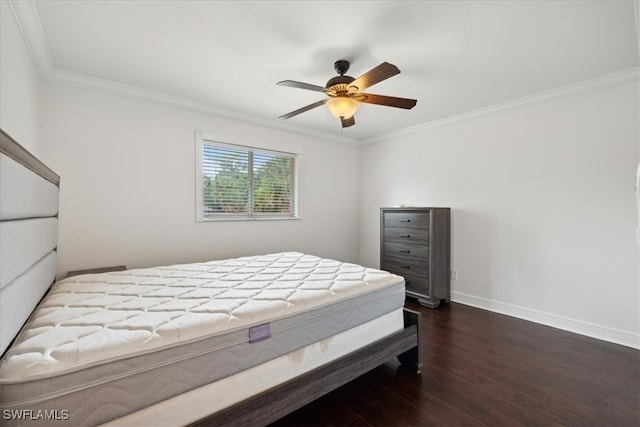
x: 243, y: 182
x: 226, y: 181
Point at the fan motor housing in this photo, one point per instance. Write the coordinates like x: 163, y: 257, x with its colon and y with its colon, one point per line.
x: 339, y: 80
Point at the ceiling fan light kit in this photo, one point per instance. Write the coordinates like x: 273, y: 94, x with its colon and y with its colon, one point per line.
x: 342, y: 107
x: 344, y: 96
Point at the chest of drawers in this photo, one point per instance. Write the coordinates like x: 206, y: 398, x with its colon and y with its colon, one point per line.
x: 415, y: 244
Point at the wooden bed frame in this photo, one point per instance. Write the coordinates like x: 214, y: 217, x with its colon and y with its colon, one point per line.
x: 285, y: 398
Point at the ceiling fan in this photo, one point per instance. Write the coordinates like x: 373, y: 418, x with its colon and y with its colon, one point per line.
x: 344, y: 96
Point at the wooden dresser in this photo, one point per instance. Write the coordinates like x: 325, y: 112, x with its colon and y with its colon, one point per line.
x: 415, y: 244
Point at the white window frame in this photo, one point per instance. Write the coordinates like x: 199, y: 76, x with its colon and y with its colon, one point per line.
x: 202, y: 140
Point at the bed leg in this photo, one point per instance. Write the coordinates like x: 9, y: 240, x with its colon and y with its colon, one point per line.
x: 411, y: 358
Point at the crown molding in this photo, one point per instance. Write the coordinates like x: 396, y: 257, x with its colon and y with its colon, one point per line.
x: 82, y: 81
x: 28, y: 21
x: 628, y: 76
x: 27, y: 18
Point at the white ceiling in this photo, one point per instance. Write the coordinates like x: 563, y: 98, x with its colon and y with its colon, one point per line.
x: 226, y: 56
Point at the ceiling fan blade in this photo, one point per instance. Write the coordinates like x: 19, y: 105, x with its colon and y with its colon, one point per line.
x: 303, y: 109
x: 350, y: 121
x: 375, y: 75
x: 300, y: 85
x: 389, y: 101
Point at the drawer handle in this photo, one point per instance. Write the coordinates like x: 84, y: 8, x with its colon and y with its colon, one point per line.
x: 406, y: 236
x: 405, y: 220
x: 408, y: 267
x: 405, y: 252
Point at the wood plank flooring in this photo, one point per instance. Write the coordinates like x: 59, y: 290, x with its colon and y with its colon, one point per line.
x: 482, y: 368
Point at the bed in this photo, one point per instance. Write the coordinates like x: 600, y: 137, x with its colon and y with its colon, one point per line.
x: 240, y: 341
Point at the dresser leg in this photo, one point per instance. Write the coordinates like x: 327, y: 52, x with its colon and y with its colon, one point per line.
x: 429, y: 302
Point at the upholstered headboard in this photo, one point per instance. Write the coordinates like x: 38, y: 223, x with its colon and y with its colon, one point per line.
x: 28, y: 235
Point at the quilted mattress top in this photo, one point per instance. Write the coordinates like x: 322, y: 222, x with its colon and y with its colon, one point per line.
x: 96, y: 318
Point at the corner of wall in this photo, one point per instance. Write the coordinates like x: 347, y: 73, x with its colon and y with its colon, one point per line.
x: 19, y: 82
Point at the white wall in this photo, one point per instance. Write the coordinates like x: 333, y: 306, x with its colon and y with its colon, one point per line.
x: 128, y: 185
x: 542, y: 194
x: 543, y: 206
x: 19, y: 84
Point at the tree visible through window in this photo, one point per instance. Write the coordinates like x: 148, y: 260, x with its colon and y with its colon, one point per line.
x: 245, y: 182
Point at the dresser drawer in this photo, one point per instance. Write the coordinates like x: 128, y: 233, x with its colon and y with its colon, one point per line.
x: 416, y: 285
x: 406, y: 250
x: 406, y: 235
x: 407, y: 220
x: 406, y: 266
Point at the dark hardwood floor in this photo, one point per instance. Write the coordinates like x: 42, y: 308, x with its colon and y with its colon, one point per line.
x: 483, y: 368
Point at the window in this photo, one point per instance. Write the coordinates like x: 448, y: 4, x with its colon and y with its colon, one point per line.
x: 237, y: 182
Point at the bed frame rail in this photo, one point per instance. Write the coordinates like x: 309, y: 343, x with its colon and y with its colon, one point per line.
x: 281, y: 400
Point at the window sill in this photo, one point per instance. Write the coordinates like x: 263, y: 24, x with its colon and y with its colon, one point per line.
x: 270, y: 218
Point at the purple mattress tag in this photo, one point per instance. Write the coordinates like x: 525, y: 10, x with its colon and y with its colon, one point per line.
x: 260, y: 332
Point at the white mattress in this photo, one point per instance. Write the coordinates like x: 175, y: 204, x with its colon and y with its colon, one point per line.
x: 138, y: 331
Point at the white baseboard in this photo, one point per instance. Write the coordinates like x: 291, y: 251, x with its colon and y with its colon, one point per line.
x: 584, y: 328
